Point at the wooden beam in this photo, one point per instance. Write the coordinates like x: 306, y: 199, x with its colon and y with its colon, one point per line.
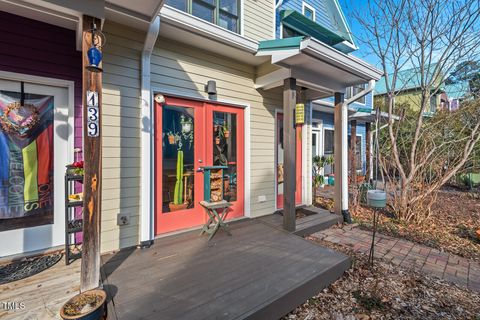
x: 92, y: 155
x: 353, y: 152
x: 289, y: 148
x: 368, y: 146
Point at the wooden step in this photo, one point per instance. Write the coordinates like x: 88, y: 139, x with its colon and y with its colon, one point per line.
x: 316, y: 219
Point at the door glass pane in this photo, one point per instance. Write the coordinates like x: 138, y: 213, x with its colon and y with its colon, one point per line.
x: 314, y: 144
x: 178, y: 4
x: 279, y: 155
x: 178, y: 158
x: 225, y: 150
x: 203, y: 11
x: 328, y: 149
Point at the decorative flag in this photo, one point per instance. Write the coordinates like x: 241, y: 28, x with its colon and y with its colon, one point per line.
x: 26, y: 160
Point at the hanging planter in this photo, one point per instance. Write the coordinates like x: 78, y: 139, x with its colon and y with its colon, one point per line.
x: 171, y: 138
x: 226, y: 131
x: 88, y: 305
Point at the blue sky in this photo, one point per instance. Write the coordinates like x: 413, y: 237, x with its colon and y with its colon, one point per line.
x: 349, y: 6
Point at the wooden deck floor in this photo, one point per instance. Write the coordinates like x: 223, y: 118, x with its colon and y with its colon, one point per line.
x: 260, y: 272
x: 42, y: 294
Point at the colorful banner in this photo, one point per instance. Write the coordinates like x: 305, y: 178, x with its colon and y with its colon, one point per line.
x: 26, y: 160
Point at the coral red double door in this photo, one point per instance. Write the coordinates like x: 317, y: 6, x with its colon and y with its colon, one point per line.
x: 188, y: 136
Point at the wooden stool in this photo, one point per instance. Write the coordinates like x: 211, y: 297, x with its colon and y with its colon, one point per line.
x: 215, y: 217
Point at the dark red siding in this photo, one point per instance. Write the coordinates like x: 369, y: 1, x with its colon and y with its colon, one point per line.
x: 40, y: 49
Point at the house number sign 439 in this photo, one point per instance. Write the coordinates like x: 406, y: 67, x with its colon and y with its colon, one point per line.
x: 93, y: 127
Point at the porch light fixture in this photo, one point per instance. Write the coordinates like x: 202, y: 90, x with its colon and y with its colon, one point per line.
x: 94, y: 55
x: 211, y: 88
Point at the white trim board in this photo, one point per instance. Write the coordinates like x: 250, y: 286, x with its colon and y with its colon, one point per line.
x: 24, y: 240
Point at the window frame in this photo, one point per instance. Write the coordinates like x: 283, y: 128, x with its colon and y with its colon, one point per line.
x: 216, y: 12
x: 309, y: 7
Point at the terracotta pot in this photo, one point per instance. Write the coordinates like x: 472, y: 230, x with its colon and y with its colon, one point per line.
x: 360, y: 179
x: 478, y: 234
x: 227, y: 134
x: 217, y: 140
x: 171, y: 139
x: 95, y: 313
x: 176, y: 207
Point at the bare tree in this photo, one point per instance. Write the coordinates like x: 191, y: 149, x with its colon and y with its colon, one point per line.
x: 431, y: 36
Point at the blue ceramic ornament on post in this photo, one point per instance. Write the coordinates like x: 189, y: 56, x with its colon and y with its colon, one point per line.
x: 94, y: 56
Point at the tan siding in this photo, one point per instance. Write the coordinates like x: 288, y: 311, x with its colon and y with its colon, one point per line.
x: 121, y: 136
x: 258, y: 19
x: 178, y: 67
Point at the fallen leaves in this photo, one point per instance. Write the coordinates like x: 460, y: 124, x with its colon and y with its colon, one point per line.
x: 451, y: 228
x: 387, y: 292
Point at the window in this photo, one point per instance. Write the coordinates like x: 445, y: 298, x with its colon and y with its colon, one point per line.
x: 308, y: 11
x: 351, y: 91
x: 224, y: 13
x: 433, y: 103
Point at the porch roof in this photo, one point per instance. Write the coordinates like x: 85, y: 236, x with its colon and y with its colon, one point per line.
x: 315, y: 65
x: 364, y: 115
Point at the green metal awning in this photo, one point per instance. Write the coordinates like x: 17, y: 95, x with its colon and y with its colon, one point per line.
x: 298, y: 22
x: 280, y: 44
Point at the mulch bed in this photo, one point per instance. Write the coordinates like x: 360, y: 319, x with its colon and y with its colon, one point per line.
x: 455, y: 218
x: 387, y: 292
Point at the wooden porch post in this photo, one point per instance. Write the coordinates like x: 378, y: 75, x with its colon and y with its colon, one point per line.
x: 368, y: 145
x: 353, y: 151
x: 92, y: 154
x: 341, y: 157
x: 289, y: 145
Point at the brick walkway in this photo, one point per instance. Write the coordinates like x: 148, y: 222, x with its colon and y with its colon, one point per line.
x: 409, y: 254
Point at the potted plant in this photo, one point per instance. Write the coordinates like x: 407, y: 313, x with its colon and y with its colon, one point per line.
x: 318, y: 178
x: 178, y: 203
x: 76, y: 168
x: 88, y: 305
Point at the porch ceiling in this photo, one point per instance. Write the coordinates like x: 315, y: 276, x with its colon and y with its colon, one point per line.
x: 315, y: 65
x: 68, y: 13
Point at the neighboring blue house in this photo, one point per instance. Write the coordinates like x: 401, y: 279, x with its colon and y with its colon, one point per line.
x: 325, y: 21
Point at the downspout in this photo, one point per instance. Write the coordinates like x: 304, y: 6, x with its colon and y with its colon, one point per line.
x: 279, y: 4
x: 371, y: 85
x: 147, y: 125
